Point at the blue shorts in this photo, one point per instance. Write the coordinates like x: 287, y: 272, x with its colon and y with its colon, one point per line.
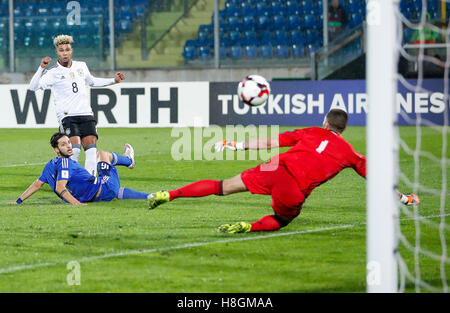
x: 110, y: 181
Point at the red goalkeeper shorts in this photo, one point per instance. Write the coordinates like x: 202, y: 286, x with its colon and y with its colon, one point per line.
x: 287, y: 198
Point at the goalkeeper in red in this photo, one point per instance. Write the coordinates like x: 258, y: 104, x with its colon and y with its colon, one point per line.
x: 317, y: 155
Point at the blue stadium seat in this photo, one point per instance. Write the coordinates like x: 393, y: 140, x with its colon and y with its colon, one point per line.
x: 191, y: 43
x: 292, y: 8
x: 281, y: 37
x: 3, y: 27
x: 203, y: 37
x: 234, y: 37
x: 261, y: 9
x: 298, y: 50
x: 266, y: 38
x: 282, y: 51
x: 233, y: 21
x: 124, y: 25
x: 97, y: 10
x: 206, y: 28
x: 126, y: 13
x: 306, y: 5
x: 263, y: 22
x: 190, y: 52
x: 43, y: 10
x: 248, y: 22
x: 247, y: 9
x: 139, y: 11
x: 294, y: 22
x: 297, y: 37
x: 278, y: 22
x: 3, y: 43
x: 223, y: 52
x: 204, y: 52
x: 275, y: 6
x: 250, y: 52
x: 309, y: 21
x: 355, y: 19
x: 250, y: 36
x: 236, y: 52
x: 83, y: 40
x: 353, y: 6
x: 266, y: 51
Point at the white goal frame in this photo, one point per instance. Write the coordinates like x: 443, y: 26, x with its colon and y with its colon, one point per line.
x: 381, y: 84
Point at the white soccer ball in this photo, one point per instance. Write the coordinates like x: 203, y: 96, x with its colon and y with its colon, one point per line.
x: 254, y: 90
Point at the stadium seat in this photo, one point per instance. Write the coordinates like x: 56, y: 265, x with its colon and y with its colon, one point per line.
x: 355, y: 20
x: 280, y: 37
x: 139, y: 11
x: 261, y: 9
x: 292, y: 8
x: 97, y: 10
x: 298, y: 50
x: 124, y: 25
x: 223, y: 52
x: 250, y: 52
x: 309, y: 21
x: 204, y: 52
x: 282, y: 51
x: 250, y: 37
x: 278, y: 22
x: 236, y: 52
x: 189, y: 52
x: 246, y: 9
x: 266, y: 51
x: 307, y: 6
x: 233, y: 22
x: 266, y: 38
x: 262, y: 22
x: 248, y: 22
x: 297, y: 37
x: 294, y: 22
x: 234, y: 37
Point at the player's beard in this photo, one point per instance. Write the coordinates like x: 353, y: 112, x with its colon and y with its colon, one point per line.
x: 66, y: 155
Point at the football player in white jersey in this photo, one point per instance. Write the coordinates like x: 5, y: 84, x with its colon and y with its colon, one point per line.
x: 68, y: 80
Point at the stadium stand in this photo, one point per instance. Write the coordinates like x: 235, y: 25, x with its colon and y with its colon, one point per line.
x: 281, y: 29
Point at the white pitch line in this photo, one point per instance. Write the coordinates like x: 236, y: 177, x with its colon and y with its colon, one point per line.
x: 191, y: 245
x: 185, y: 246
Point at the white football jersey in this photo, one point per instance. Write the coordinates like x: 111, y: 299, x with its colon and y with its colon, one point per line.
x: 69, y: 87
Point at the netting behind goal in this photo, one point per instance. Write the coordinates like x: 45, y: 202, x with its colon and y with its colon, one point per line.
x: 422, y: 231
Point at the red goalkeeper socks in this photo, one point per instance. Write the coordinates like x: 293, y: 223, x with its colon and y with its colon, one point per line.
x: 200, y: 188
x: 267, y: 223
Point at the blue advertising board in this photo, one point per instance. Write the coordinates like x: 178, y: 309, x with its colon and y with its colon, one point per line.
x: 305, y: 103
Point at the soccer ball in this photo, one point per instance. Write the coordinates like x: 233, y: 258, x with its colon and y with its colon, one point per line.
x: 254, y: 90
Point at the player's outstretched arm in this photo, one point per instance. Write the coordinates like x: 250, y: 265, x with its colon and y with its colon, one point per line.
x: 64, y: 193
x: 35, y: 186
x: 34, y: 83
x: 252, y: 144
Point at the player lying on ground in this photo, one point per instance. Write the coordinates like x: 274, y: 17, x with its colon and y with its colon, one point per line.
x: 317, y: 155
x: 68, y: 80
x: 74, y: 184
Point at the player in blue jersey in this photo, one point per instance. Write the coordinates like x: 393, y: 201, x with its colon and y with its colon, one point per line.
x: 74, y: 184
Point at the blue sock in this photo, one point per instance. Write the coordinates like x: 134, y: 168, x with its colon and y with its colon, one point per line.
x: 120, y: 159
x: 126, y: 193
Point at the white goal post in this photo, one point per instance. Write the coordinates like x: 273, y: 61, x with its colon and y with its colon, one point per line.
x: 381, y: 84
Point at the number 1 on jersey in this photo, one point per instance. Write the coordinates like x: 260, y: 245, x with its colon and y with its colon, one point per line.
x: 322, y: 146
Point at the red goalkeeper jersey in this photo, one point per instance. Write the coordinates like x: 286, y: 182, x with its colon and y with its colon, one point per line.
x: 317, y: 155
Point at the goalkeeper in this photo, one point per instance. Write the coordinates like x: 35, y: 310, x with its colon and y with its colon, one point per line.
x: 317, y: 155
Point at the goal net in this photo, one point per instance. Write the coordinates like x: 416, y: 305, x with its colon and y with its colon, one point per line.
x: 407, y: 245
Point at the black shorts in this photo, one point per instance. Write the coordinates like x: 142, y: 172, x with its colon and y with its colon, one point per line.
x: 80, y: 126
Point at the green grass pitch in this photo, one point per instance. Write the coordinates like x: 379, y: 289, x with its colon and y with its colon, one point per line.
x: 121, y: 246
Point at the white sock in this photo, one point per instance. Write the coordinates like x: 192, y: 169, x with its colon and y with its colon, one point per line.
x: 91, y: 160
x: 76, y: 150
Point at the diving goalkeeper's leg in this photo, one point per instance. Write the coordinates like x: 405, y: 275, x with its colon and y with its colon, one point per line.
x: 201, y: 188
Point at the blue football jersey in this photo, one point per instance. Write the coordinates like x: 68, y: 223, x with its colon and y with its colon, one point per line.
x: 81, y: 184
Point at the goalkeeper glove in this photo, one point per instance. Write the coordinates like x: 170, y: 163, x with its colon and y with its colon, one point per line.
x: 229, y: 144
